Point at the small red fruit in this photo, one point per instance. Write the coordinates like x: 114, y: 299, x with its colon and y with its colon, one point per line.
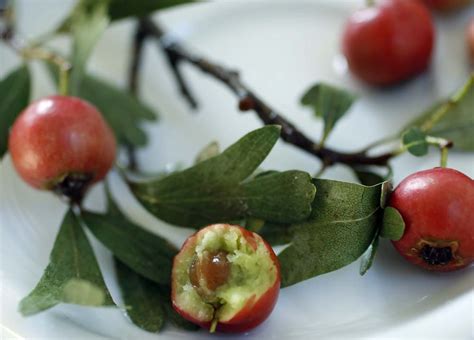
x: 470, y: 39
x: 389, y: 42
x: 225, y: 278
x: 437, y: 206
x: 447, y: 5
x: 63, y: 144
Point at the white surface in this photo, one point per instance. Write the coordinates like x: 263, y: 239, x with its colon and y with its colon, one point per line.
x: 281, y: 48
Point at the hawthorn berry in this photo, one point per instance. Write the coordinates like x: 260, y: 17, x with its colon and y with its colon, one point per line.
x: 437, y: 206
x: 63, y: 144
x: 470, y: 39
x: 389, y: 42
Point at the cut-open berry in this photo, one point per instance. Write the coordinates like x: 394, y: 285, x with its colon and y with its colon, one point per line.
x: 437, y: 206
x: 225, y: 278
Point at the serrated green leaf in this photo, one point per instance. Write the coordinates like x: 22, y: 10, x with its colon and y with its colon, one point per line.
x: 368, y: 257
x: 142, y: 299
x: 72, y: 275
x: 15, y: 90
x: 147, y: 304
x: 87, y: 25
x: 146, y: 253
x: 215, y: 191
x: 452, y: 119
x: 393, y: 225
x: 283, y: 197
x: 120, y: 9
x: 415, y: 142
x: 368, y: 177
x: 329, y: 103
x: 122, y: 111
x: 209, y: 151
x: 276, y: 234
x: 341, y: 227
x: 253, y: 224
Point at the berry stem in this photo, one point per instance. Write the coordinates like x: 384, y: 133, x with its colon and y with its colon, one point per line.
x: 444, y: 146
x: 30, y: 53
x: 380, y: 142
x: 212, y: 329
x: 64, y: 67
x: 444, y: 157
x: 33, y: 51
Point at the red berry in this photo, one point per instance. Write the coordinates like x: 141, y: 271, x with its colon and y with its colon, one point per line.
x: 389, y: 42
x: 470, y: 38
x: 225, y: 276
x: 437, y: 206
x: 62, y: 143
x: 447, y: 5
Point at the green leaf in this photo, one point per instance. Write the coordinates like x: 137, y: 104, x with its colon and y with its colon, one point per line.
x: 215, y: 191
x: 341, y: 227
x: 393, y: 225
x: 120, y: 9
x: 253, y: 224
x: 88, y: 22
x: 121, y: 110
x: 146, y: 253
x: 415, y: 142
x: 329, y: 103
x: 276, y: 234
x: 283, y: 197
x: 125, y: 8
x: 452, y: 119
x: 385, y: 191
x: 142, y: 299
x: 15, y: 90
x: 368, y: 257
x: 72, y: 275
x: 147, y: 304
x: 368, y: 177
x: 209, y: 151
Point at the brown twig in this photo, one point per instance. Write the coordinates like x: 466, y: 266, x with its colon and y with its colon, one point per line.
x: 133, y: 84
x: 248, y: 100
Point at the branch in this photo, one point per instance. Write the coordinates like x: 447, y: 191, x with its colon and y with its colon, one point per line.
x: 248, y: 100
x: 133, y: 86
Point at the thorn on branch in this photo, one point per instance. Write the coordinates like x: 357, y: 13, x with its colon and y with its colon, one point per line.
x: 246, y: 103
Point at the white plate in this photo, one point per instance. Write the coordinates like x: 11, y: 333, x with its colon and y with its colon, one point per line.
x: 281, y: 47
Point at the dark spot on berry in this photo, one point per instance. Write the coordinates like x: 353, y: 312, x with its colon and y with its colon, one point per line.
x: 436, y: 255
